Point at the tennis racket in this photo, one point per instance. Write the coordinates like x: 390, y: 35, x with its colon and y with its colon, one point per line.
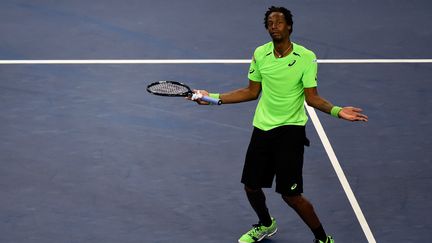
x: 176, y: 89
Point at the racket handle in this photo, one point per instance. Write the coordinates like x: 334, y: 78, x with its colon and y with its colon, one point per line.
x: 211, y: 100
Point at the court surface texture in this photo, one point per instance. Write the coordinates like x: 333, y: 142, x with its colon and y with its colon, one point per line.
x: 87, y: 155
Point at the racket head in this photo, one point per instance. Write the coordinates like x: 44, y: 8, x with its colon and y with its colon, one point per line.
x: 169, y: 88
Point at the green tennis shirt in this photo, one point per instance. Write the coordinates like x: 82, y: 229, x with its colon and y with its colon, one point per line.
x: 282, y: 81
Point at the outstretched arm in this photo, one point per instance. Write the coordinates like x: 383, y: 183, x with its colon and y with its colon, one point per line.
x: 348, y: 113
x: 251, y: 92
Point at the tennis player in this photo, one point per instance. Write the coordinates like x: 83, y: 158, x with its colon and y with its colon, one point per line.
x: 285, y: 74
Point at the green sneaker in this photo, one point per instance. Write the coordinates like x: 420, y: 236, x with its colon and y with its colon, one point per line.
x: 328, y: 240
x: 258, y: 232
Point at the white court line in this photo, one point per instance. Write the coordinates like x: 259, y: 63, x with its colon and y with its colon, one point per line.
x: 129, y: 61
x: 340, y: 174
x: 201, y: 61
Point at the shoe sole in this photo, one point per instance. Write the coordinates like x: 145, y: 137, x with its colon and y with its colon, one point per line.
x: 272, y: 233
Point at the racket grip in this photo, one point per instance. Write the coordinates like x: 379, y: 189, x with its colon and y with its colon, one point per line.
x: 211, y: 100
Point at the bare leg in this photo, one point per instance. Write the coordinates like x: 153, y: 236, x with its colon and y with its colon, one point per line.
x: 257, y: 200
x: 307, y: 213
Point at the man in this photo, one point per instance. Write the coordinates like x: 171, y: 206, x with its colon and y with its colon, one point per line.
x: 286, y: 75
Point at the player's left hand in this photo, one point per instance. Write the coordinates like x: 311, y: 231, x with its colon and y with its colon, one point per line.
x: 350, y: 113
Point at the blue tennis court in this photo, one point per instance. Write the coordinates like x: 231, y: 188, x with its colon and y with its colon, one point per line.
x: 87, y: 155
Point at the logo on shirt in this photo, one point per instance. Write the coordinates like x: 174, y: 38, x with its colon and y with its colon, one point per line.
x: 290, y: 64
x: 251, y: 71
x: 294, y: 186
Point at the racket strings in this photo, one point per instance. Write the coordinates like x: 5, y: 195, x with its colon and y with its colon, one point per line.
x: 168, y: 89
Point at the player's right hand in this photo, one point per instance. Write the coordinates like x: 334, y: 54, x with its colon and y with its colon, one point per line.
x: 197, y: 95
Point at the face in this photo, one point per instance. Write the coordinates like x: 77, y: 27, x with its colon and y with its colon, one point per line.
x: 277, y: 27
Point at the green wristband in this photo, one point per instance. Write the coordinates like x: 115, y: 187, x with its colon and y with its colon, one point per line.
x: 335, y: 111
x: 214, y: 95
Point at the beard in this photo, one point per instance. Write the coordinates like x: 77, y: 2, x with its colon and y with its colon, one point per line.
x: 277, y: 39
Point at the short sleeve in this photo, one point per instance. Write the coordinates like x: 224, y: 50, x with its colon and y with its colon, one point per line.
x: 309, y: 78
x: 254, y: 72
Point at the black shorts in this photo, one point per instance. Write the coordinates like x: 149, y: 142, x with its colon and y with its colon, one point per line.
x: 277, y: 152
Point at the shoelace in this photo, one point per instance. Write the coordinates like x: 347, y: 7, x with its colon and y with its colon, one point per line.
x: 256, y: 228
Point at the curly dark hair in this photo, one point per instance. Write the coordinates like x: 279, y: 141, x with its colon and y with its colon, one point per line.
x: 287, y: 14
